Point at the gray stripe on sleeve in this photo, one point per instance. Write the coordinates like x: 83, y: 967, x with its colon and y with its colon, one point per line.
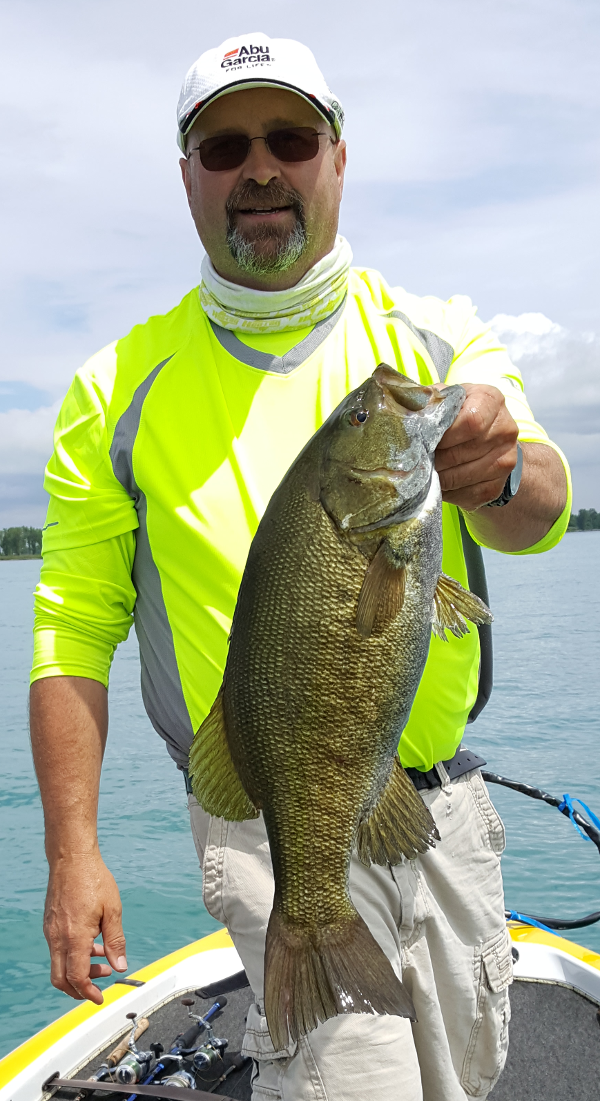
x: 281, y: 365
x: 161, y: 683
x: 440, y: 351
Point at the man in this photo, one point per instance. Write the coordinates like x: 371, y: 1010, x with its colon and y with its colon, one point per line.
x: 167, y: 449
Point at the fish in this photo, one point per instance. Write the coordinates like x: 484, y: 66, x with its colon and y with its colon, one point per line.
x: 342, y: 589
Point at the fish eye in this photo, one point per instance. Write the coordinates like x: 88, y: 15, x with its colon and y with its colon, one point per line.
x: 358, y: 417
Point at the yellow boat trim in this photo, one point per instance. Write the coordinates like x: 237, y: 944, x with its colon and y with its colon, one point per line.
x: 530, y: 935
x: 21, y: 1057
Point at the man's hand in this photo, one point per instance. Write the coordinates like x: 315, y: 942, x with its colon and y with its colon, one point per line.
x: 477, y: 453
x: 475, y: 457
x: 82, y: 903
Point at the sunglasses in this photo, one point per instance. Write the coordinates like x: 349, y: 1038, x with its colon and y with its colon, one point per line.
x: 291, y: 145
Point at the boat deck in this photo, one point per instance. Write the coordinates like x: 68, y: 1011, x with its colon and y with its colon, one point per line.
x: 554, y: 1049
x: 554, y: 1043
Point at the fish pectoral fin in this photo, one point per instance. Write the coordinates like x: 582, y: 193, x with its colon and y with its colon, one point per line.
x: 453, y: 605
x: 398, y: 825
x: 382, y: 594
x: 215, y: 780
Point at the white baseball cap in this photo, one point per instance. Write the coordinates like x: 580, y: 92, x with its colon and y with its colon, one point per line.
x: 255, y: 61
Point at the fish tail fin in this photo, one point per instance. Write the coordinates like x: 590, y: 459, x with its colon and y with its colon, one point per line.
x: 311, y: 976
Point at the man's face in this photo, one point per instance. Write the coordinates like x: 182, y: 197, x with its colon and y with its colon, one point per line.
x: 267, y: 222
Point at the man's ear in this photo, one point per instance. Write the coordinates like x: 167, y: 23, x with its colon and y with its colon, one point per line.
x: 339, y: 160
x: 186, y: 177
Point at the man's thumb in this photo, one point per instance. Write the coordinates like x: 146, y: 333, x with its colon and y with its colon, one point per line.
x: 114, y: 941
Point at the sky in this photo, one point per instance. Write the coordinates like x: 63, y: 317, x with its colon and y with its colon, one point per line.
x: 473, y: 164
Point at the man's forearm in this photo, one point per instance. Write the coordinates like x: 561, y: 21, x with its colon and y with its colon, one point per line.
x: 526, y: 519
x: 69, y: 722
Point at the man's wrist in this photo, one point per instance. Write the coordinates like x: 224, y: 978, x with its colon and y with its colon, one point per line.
x: 75, y: 853
x: 512, y: 483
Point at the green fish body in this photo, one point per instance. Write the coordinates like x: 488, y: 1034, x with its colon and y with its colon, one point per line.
x: 330, y: 636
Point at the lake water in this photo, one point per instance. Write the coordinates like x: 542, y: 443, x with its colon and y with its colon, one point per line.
x: 542, y: 726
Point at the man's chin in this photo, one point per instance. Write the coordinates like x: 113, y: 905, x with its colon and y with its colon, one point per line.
x: 260, y: 252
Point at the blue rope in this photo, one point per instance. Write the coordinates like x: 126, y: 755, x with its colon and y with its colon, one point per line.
x: 567, y: 804
x: 514, y: 916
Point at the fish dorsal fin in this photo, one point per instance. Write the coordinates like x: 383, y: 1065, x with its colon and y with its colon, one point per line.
x: 453, y: 605
x: 215, y: 780
x: 398, y: 825
x: 382, y: 594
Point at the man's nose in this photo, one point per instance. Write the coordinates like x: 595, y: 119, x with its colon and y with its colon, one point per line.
x: 260, y: 164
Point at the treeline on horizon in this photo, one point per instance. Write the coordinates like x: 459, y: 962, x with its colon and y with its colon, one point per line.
x: 20, y: 542
x: 23, y: 542
x: 587, y: 519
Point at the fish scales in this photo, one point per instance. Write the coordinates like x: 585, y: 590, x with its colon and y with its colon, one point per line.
x: 328, y: 643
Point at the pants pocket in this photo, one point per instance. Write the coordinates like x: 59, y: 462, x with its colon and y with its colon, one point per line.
x: 212, y: 868
x: 269, y: 1065
x: 493, y: 824
x: 488, y: 1042
x: 199, y: 822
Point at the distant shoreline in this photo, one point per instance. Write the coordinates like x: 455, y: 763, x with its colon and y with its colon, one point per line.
x: 17, y: 557
x: 29, y: 557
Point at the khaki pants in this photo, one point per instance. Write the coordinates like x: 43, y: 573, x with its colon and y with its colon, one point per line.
x: 440, y: 921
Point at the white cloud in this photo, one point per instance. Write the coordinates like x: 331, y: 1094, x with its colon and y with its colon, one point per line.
x: 25, y: 447
x: 561, y: 371
x: 26, y: 439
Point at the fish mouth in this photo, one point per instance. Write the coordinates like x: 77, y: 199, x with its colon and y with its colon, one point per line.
x: 403, y: 513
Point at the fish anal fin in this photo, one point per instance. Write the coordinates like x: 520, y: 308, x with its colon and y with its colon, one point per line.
x: 453, y: 606
x: 382, y: 594
x: 398, y: 825
x: 311, y: 976
x: 215, y: 781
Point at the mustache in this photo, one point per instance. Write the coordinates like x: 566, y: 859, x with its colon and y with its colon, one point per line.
x: 250, y: 194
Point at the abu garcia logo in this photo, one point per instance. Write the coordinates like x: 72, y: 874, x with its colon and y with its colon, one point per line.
x: 244, y: 55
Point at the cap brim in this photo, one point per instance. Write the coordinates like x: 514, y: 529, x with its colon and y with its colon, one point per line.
x: 188, y: 120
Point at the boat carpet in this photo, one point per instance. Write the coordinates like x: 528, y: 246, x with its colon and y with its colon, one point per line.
x: 554, y: 1048
x: 554, y: 1045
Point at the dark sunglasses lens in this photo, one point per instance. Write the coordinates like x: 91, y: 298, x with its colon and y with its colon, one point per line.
x: 223, y: 154
x: 298, y: 143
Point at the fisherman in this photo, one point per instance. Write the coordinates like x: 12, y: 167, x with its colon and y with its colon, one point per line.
x: 167, y: 449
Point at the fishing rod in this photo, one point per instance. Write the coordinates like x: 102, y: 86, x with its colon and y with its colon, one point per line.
x: 183, y: 1048
x: 588, y: 830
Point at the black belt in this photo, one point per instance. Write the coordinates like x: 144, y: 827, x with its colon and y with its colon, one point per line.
x: 464, y: 760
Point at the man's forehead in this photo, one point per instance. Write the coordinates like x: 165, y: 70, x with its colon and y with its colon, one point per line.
x: 249, y: 108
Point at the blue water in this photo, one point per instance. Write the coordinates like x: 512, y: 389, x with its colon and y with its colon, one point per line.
x: 542, y: 726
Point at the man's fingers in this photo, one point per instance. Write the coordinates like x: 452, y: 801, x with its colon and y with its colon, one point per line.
x: 491, y: 446
x: 482, y: 407
x: 492, y: 469
x: 58, y: 977
x: 100, y: 970
x: 473, y: 497
x: 114, y: 939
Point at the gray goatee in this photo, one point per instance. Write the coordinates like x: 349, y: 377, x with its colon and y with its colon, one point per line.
x: 289, y: 244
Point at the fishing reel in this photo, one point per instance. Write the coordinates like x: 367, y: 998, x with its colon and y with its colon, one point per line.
x: 207, y: 1054
x: 182, y: 1079
x: 210, y: 1053
x: 135, y: 1065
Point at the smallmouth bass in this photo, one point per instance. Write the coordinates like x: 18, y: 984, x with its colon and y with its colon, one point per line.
x: 330, y: 636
